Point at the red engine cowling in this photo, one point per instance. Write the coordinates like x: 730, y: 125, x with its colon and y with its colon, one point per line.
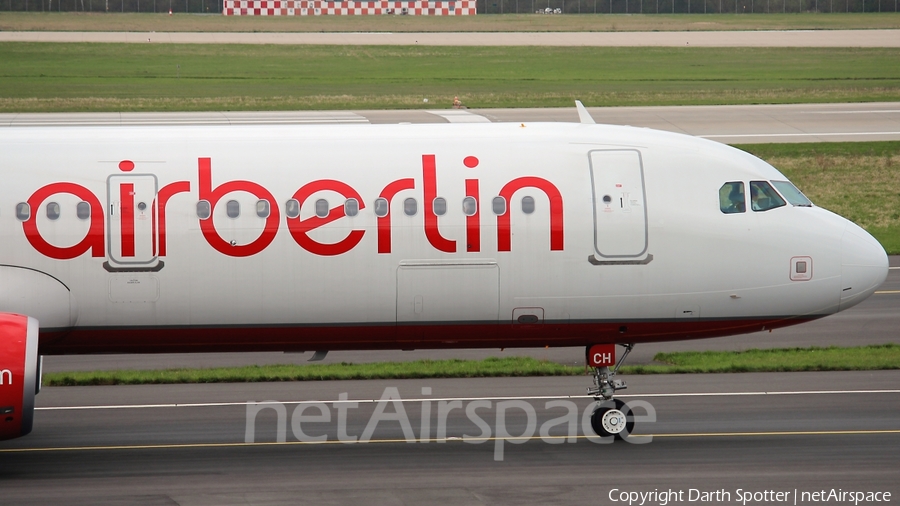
x: 20, y: 375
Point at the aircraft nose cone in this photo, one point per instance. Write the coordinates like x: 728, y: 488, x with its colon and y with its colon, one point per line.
x: 864, y: 266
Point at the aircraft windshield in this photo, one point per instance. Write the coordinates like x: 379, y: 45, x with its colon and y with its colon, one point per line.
x: 731, y: 197
x: 763, y: 197
x: 792, y: 194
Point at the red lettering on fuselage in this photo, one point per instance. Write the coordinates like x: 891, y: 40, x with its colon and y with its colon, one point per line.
x: 93, y: 241
x: 213, y: 196
x: 429, y: 178
x: 473, y: 221
x: 384, y: 222
x: 504, y: 234
x: 300, y: 229
x: 126, y: 190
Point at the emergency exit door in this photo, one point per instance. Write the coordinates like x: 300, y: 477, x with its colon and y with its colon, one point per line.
x: 132, y: 219
x: 620, y: 211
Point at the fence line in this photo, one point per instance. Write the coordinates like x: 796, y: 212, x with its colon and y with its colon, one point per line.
x: 682, y: 6
x: 549, y: 7
x: 160, y: 6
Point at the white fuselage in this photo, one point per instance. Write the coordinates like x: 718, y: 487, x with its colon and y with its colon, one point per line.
x: 126, y: 260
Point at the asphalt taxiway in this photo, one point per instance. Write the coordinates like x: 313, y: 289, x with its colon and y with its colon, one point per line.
x: 723, y: 435
x: 760, y: 38
x: 187, y: 444
x: 731, y: 124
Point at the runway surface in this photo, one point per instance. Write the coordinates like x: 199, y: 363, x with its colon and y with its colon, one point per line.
x: 727, y: 124
x: 753, y: 432
x: 792, y: 38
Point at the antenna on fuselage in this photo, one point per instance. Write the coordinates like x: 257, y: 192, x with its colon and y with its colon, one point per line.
x: 583, y: 115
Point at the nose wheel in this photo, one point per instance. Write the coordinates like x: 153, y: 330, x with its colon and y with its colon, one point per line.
x: 611, y: 417
x: 612, y: 420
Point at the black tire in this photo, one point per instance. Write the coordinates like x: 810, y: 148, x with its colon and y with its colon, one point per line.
x: 597, y: 419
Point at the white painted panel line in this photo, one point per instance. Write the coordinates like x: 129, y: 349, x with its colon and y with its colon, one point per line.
x: 827, y: 134
x: 460, y: 116
x: 887, y: 111
x: 436, y: 399
x: 145, y: 119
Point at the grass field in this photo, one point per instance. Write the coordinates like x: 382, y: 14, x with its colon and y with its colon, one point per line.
x: 858, y: 180
x: 147, y: 22
x: 776, y: 360
x: 783, y: 360
x: 129, y: 77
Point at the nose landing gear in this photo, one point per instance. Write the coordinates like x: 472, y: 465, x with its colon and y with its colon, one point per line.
x: 611, y: 417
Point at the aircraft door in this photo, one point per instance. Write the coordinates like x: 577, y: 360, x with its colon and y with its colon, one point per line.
x: 132, y: 234
x: 620, y: 211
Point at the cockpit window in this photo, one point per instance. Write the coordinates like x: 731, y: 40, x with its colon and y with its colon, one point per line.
x: 792, y: 194
x: 763, y: 197
x: 731, y: 198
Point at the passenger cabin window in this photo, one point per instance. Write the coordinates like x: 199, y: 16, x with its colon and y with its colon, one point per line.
x: 794, y: 196
x: 763, y: 197
x: 527, y: 205
x: 731, y: 198
x: 262, y: 208
x: 351, y: 207
x: 83, y: 211
x: 292, y: 208
x: 440, y: 206
x: 410, y: 207
x: 470, y: 206
x: 23, y: 211
x: 499, y: 205
x: 53, y: 211
x: 381, y: 207
x: 321, y: 208
x: 203, y: 209
x: 233, y: 208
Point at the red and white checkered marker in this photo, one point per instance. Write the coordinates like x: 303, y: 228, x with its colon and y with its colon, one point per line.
x: 346, y: 8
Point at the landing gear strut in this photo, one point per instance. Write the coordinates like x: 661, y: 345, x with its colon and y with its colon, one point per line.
x: 612, y: 417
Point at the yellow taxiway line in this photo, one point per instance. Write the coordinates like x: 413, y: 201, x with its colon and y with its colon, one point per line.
x: 448, y: 440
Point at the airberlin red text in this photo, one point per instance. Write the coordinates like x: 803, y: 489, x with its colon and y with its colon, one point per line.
x: 299, y: 228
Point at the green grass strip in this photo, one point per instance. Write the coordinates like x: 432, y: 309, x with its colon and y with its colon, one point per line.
x: 833, y: 358
x: 584, y: 22
x: 878, y: 357
x: 489, y: 367
x: 45, y: 77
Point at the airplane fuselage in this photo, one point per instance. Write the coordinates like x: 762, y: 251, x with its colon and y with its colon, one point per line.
x: 167, y: 239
